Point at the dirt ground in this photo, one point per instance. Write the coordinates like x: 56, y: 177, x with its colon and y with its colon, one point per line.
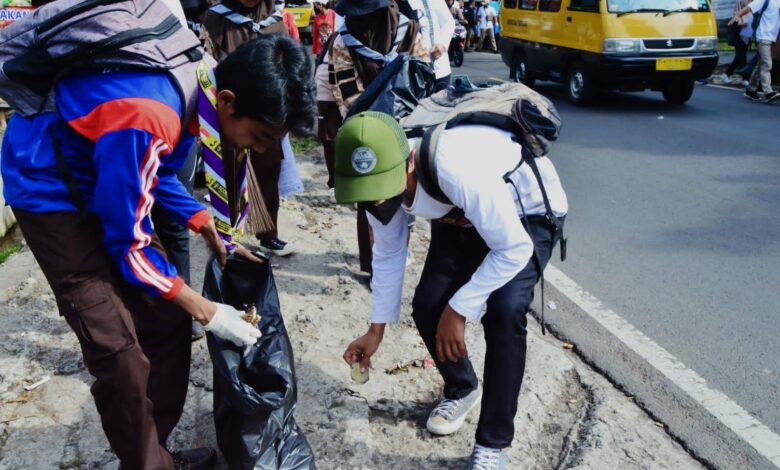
x: 569, y: 416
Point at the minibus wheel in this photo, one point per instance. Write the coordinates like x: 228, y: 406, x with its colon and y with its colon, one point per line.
x: 678, y: 92
x: 579, y: 84
x: 521, y: 70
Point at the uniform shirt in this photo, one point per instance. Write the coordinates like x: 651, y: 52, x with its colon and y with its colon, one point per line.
x: 769, y: 26
x: 438, y: 27
x: 474, y: 183
x: 120, y: 133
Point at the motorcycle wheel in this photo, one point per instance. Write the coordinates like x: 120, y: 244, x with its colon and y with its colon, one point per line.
x: 458, y: 59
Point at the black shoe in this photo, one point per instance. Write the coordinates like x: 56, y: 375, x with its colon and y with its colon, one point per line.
x: 197, y: 331
x: 771, y: 96
x: 752, y: 95
x: 201, y: 458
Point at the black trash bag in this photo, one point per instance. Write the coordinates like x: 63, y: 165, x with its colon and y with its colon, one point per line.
x: 398, y: 88
x: 255, y: 391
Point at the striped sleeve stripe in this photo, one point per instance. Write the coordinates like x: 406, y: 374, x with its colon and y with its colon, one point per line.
x: 142, y: 270
x: 149, y: 166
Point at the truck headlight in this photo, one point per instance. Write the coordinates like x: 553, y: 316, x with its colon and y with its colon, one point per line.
x: 621, y: 46
x: 707, y: 44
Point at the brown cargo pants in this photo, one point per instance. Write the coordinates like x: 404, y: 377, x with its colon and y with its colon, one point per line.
x: 137, y: 347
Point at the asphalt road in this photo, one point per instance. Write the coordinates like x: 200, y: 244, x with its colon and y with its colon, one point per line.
x: 674, y: 224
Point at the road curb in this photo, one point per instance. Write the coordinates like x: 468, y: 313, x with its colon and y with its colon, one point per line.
x: 724, y: 438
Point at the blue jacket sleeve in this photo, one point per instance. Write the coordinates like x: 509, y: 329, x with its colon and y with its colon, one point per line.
x: 125, y: 190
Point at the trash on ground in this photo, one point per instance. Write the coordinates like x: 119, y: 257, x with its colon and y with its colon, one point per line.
x: 403, y: 367
x: 552, y: 305
x: 37, y: 384
x: 568, y: 346
x: 659, y: 424
x: 359, y: 376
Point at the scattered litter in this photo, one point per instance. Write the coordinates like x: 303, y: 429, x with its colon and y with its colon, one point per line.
x: 359, y: 376
x: 21, y: 399
x: 207, y: 197
x: 659, y: 424
x: 572, y: 402
x: 660, y: 118
x: 568, y: 346
x: 37, y: 384
x: 275, y: 266
x: 403, y: 367
x: 552, y: 305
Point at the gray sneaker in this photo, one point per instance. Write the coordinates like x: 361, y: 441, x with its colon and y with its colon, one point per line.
x: 449, y: 415
x: 485, y: 458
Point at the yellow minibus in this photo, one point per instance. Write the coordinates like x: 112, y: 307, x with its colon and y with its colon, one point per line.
x: 628, y: 45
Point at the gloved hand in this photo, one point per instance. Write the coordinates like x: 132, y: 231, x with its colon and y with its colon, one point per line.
x: 228, y: 325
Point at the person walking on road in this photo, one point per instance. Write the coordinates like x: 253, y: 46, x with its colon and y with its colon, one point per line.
x: 483, y: 256
x: 487, y: 16
x: 766, y: 35
x: 740, y: 34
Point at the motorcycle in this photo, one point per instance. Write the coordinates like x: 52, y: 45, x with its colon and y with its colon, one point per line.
x: 457, y: 45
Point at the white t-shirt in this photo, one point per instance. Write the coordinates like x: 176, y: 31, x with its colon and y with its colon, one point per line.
x: 476, y: 185
x: 769, y: 26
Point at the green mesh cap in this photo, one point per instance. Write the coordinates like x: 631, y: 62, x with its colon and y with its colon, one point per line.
x: 371, y: 153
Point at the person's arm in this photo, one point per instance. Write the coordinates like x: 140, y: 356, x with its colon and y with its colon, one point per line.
x: 388, y: 266
x: 752, y: 7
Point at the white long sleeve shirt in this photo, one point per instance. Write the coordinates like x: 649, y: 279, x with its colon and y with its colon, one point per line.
x: 471, y: 163
x: 437, y: 26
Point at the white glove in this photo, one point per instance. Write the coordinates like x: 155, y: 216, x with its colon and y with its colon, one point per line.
x: 228, y: 325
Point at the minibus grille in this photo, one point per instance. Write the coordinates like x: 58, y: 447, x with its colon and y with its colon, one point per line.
x: 668, y: 44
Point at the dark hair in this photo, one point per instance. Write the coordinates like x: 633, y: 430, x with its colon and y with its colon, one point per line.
x: 271, y: 77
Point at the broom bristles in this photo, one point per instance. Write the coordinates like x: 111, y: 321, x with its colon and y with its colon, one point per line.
x: 258, y: 219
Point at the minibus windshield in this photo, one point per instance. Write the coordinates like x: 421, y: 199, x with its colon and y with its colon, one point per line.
x: 660, y: 6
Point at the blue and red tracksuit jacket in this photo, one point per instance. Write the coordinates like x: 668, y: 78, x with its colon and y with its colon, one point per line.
x: 121, y: 135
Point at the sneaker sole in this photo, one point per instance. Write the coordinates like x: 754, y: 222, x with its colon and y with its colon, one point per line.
x: 281, y: 253
x: 450, y: 428
x: 752, y: 98
x: 772, y: 99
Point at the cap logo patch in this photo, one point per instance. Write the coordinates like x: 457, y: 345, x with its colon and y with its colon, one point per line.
x: 363, y: 160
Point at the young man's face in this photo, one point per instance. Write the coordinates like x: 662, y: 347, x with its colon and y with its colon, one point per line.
x: 244, y: 132
x: 319, y: 8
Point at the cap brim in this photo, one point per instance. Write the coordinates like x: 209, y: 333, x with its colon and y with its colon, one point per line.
x: 370, y: 187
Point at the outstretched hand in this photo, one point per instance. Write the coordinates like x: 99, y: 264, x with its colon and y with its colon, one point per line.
x: 364, y: 347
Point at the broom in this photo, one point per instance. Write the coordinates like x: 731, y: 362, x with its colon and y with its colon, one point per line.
x: 258, y: 219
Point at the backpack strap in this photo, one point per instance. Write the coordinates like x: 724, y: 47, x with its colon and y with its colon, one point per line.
x: 425, y: 163
x: 241, y: 20
x: 70, y: 182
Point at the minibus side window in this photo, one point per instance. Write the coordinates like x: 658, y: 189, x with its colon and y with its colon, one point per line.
x: 528, y: 4
x: 550, y: 5
x: 510, y: 3
x: 585, y: 5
